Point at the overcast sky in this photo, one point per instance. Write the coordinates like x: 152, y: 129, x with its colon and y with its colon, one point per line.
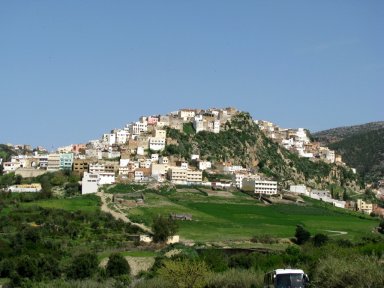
x: 73, y: 70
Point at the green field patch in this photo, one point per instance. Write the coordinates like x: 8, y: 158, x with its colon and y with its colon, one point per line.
x: 88, y: 203
x: 241, y: 218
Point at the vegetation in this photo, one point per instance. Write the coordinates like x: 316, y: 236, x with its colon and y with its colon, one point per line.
x: 162, y: 228
x: 43, y: 240
x: 184, y: 273
x: 241, y: 217
x: 360, y: 146
x: 117, y: 265
x: 242, y: 143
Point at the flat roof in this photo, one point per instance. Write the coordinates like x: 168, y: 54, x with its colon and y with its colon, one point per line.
x: 289, y: 271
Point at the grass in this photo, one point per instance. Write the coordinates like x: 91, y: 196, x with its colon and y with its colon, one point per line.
x: 88, y: 203
x: 241, y: 218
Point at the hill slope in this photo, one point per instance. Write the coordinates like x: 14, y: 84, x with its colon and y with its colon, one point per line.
x: 361, y: 147
x: 242, y: 143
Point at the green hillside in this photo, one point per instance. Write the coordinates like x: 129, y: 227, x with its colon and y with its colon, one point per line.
x: 361, y: 147
x: 242, y: 143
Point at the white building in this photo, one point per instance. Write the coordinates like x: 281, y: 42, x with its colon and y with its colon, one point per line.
x: 140, y: 151
x: 89, y: 183
x: 34, y: 187
x: 139, y: 176
x: 122, y: 136
x: 138, y: 128
x: 234, y: 168
x: 186, y: 114
x: 260, y: 186
x: 163, y: 160
x: 95, y: 168
x: 106, y: 178
x: 109, y: 138
x: 203, y: 165
x: 156, y: 144
x: 159, y: 133
x: 159, y: 169
x: 9, y: 167
x: 301, y: 189
x: 124, y: 162
x: 155, y: 157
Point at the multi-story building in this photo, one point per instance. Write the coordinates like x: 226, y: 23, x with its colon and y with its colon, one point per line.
x: 53, y: 162
x: 89, y: 183
x: 66, y: 161
x: 95, y: 168
x: 138, y: 128
x: 365, y: 207
x: 80, y: 166
x: 260, y: 186
x: 187, y: 114
x: 9, y: 167
x: 183, y: 176
x: 156, y: 144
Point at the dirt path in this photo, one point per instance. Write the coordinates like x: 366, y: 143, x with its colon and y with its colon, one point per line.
x: 117, y: 213
x: 336, y: 233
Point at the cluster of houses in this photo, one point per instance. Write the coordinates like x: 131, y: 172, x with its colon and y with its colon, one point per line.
x: 134, y: 154
x: 297, y: 140
x: 325, y: 195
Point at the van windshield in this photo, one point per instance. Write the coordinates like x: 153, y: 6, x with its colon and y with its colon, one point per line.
x: 289, y: 281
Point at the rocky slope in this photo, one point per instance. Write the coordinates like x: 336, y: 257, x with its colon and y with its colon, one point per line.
x: 242, y: 143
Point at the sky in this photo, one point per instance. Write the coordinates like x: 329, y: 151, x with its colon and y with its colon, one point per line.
x: 73, y: 70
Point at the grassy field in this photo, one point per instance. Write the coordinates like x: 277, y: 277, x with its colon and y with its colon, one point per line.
x: 88, y: 203
x: 241, y: 218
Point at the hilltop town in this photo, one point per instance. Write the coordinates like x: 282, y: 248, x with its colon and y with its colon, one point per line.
x: 140, y: 153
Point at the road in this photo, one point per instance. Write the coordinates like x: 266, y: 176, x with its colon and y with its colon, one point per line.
x: 117, y: 213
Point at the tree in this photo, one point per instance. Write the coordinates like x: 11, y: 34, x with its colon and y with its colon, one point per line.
x: 162, y: 228
x: 83, y: 266
x: 185, y: 273
x: 301, y: 235
x: 381, y: 227
x: 320, y: 239
x: 117, y: 265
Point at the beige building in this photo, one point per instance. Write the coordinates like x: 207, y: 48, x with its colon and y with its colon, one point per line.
x: 184, y: 176
x: 365, y: 207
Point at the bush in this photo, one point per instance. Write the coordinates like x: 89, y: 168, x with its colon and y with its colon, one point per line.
x: 185, y: 273
x: 162, y: 228
x: 349, y: 272
x: 83, y: 266
x: 117, y: 265
x: 215, y: 259
x: 234, y: 278
x: 301, y: 235
x: 320, y: 240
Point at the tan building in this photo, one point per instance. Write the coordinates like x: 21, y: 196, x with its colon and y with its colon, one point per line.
x: 80, y: 166
x: 184, y: 176
x: 365, y: 207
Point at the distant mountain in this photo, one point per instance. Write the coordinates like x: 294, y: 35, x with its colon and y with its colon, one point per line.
x: 337, y: 134
x: 361, y: 146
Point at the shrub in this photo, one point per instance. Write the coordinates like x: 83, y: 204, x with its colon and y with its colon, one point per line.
x: 349, y: 272
x: 83, y: 266
x: 163, y: 228
x: 234, y: 278
x: 301, y: 235
x: 320, y: 240
x: 185, y: 273
x: 215, y: 259
x: 117, y: 265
